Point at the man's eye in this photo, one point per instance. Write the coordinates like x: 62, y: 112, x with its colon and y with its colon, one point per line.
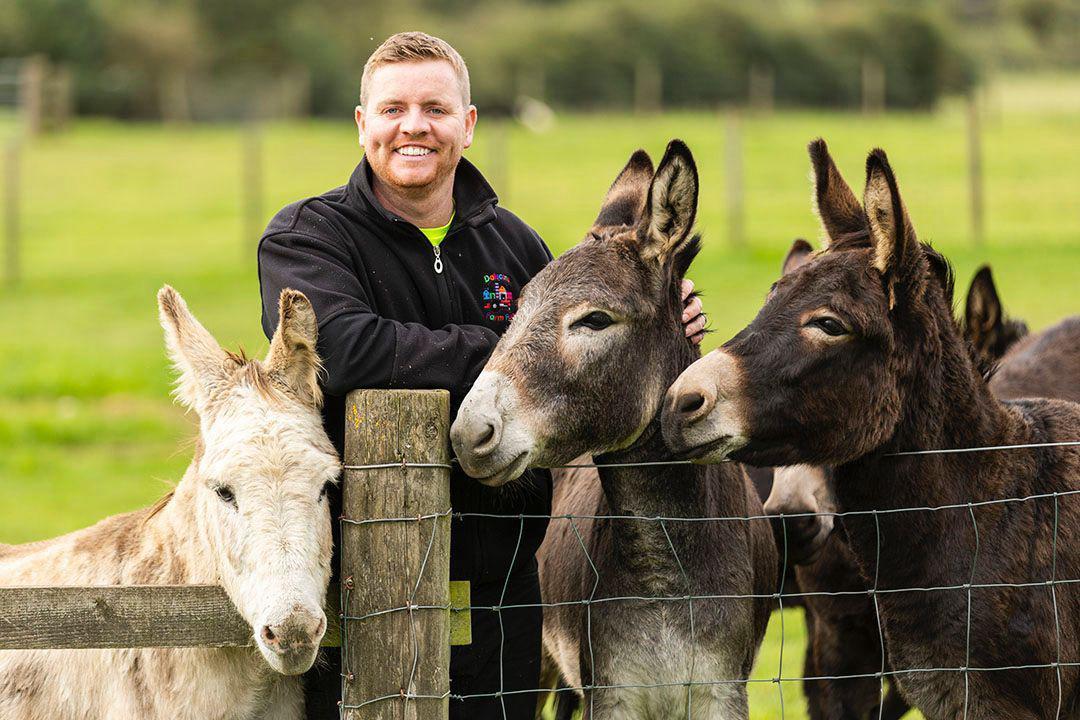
x: 829, y: 326
x: 390, y: 111
x: 437, y: 111
x: 225, y: 493
x: 594, y: 321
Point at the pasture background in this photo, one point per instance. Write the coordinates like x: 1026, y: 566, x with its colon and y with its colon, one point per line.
x: 112, y: 211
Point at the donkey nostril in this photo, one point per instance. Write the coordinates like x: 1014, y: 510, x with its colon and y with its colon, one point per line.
x: 268, y: 634
x: 691, y: 402
x: 486, y: 434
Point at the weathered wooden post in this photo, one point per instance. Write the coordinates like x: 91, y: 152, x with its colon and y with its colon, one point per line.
x: 975, y: 173
x: 733, y: 178
x: 761, y: 91
x: 251, y: 189
x: 395, y: 556
x: 11, y: 212
x: 873, y: 86
x: 498, y: 152
x: 648, y: 86
x: 31, y: 93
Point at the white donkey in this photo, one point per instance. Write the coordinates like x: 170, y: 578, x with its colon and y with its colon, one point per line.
x: 250, y: 515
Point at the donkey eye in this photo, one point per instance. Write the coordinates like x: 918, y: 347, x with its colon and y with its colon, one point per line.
x: 829, y: 326
x: 225, y: 493
x: 594, y: 321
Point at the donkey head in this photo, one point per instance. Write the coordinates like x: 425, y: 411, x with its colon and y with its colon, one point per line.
x: 823, y: 372
x: 990, y: 333
x: 259, y: 484
x: 597, y: 337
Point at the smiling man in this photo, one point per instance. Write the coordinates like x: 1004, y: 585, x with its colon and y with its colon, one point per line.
x: 414, y: 272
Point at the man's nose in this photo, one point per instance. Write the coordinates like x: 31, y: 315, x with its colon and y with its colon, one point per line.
x: 415, y: 122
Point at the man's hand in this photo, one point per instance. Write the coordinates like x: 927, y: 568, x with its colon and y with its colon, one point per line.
x: 693, y: 317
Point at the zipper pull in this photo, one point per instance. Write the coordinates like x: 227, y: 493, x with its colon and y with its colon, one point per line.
x: 438, y: 259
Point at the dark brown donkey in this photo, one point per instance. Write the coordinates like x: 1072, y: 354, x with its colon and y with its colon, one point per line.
x: 856, y: 357
x: 1046, y: 364
x: 583, y: 370
x: 843, y: 639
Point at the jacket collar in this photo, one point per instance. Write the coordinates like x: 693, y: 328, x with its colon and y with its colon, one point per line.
x: 474, y: 199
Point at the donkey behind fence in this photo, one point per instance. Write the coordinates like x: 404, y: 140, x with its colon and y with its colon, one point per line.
x: 980, y: 611
x: 582, y: 370
x: 250, y: 515
x: 843, y: 640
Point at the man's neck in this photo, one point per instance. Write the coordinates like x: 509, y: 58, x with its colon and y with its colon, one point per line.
x: 423, y: 207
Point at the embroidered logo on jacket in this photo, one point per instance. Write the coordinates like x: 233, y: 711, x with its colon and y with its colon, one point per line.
x: 498, y: 299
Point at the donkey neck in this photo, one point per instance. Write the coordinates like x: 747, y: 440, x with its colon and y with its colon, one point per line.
x: 176, y: 540
x: 947, y: 405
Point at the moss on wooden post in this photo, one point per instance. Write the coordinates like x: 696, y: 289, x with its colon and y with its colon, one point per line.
x: 395, y: 555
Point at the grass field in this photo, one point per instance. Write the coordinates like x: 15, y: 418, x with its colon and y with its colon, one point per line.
x: 112, y: 211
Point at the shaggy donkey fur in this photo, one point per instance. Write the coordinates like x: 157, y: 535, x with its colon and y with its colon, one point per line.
x: 856, y: 356
x: 582, y: 370
x: 250, y: 514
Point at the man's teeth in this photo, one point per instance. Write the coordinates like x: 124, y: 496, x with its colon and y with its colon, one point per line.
x: 410, y: 150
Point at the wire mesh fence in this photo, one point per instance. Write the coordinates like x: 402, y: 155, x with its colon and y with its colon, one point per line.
x: 428, y: 695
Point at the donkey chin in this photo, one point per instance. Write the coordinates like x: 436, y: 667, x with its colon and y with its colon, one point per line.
x: 491, y: 438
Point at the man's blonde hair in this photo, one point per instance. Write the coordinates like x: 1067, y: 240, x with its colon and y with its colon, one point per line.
x: 414, y: 47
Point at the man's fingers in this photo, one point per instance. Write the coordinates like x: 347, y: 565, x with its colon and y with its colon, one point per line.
x: 692, y: 309
x: 685, y: 288
x: 696, y: 326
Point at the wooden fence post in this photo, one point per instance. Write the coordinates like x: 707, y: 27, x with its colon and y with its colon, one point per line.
x: 395, y: 556
x: 975, y: 169
x: 11, y: 212
x: 733, y: 178
x: 873, y: 86
x: 498, y: 160
x: 761, y: 90
x: 31, y: 93
x: 251, y: 190
x: 648, y: 86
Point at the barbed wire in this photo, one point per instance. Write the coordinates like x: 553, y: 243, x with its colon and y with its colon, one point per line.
x: 409, y: 691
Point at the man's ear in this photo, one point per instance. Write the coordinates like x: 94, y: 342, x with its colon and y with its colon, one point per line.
x: 358, y: 115
x: 671, y: 205
x: 470, y: 125
x: 799, y: 254
x: 834, y: 202
x: 625, y: 199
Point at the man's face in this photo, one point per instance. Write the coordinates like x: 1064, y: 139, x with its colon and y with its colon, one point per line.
x: 414, y: 125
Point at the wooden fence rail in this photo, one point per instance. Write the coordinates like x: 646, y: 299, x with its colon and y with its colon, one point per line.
x: 395, y: 555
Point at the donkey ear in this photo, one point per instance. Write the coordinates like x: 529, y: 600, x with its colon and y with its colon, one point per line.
x: 834, y: 202
x: 982, y: 312
x: 671, y: 205
x: 625, y: 200
x: 891, y: 233
x: 292, y: 361
x: 797, y: 256
x: 201, y: 363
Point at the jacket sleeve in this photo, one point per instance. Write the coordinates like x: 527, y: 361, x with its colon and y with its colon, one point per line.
x: 358, y: 348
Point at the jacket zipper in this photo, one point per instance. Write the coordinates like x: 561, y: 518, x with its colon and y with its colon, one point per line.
x: 438, y: 259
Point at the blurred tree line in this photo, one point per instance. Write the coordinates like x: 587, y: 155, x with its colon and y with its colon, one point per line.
x: 184, y: 59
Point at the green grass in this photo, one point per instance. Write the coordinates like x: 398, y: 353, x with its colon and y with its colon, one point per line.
x: 112, y: 211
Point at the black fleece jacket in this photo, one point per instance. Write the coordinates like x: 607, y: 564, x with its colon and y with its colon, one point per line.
x: 394, y: 312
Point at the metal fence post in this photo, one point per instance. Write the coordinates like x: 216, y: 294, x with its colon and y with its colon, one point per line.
x: 395, y: 556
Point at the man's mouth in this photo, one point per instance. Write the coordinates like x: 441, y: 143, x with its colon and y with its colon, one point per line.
x: 414, y: 151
